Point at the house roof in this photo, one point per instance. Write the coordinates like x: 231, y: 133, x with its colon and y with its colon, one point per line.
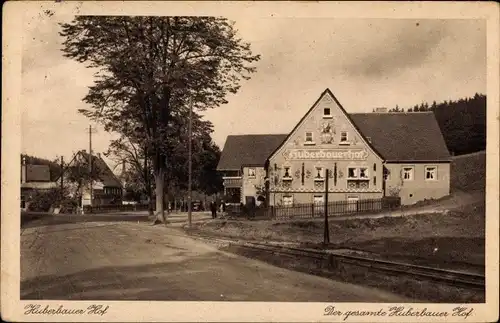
x: 54, y: 168
x: 106, y: 175
x: 413, y: 136
x: 37, y: 173
x: 402, y: 137
x: 248, y: 150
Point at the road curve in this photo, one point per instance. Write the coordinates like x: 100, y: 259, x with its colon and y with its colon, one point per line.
x: 110, y: 260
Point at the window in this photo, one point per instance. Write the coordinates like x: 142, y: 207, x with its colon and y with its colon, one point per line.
x: 352, y: 172
x: 288, y: 200
x: 309, y: 138
x: 319, y: 199
x: 318, y: 175
x: 386, y: 173
x: 231, y: 173
x: 327, y: 113
x: 363, y: 173
x: 251, y: 172
x: 357, y: 173
x: 430, y: 173
x: 234, y: 194
x: 344, y: 138
x: 407, y: 173
x: 358, y: 178
x: 287, y: 173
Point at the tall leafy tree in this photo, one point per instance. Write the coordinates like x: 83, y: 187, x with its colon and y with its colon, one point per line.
x: 149, y: 68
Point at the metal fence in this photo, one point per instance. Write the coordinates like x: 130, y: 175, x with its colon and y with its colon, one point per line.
x: 314, y: 210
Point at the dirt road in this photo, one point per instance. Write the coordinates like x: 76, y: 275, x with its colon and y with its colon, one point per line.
x: 128, y: 260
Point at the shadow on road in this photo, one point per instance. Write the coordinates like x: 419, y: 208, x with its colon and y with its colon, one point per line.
x: 50, y: 219
x: 52, y: 230
x: 184, y: 277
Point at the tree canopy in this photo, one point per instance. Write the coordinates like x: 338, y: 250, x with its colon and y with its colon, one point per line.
x: 148, y: 71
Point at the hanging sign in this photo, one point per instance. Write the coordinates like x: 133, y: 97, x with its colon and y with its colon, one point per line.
x: 325, y: 154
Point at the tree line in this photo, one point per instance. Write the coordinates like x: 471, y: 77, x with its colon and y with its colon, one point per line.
x: 462, y: 122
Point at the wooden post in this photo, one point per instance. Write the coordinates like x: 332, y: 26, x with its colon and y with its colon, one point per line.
x: 190, y: 163
x: 326, y: 238
x: 62, y: 173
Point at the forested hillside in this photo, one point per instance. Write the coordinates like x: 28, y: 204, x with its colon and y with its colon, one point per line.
x: 462, y: 122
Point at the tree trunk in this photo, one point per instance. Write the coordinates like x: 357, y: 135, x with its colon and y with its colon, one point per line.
x: 150, y: 200
x: 160, y: 210
x: 147, y: 182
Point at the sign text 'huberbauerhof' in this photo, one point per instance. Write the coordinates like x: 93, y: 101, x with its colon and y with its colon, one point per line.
x: 330, y: 154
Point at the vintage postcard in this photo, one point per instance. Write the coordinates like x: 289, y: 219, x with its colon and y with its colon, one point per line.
x: 243, y: 161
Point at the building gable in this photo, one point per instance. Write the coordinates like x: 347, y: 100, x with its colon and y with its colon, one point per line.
x: 326, y: 126
x: 106, y: 177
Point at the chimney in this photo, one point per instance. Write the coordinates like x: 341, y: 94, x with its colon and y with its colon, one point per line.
x: 381, y: 110
x: 98, y: 155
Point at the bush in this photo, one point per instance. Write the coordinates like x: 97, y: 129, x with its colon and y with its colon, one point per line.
x: 68, y: 206
x: 42, y: 201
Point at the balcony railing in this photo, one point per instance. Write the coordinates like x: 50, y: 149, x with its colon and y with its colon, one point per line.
x: 232, y: 181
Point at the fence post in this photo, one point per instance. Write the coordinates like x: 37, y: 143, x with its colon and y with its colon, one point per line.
x: 326, y: 238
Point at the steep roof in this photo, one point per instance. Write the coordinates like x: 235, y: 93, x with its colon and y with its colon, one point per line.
x: 402, y: 137
x: 248, y: 150
x: 38, y: 168
x: 106, y: 175
x: 413, y: 136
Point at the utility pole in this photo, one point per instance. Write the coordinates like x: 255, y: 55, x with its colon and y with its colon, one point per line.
x: 90, y: 163
x: 190, y: 162
x: 62, y: 173
x: 326, y: 237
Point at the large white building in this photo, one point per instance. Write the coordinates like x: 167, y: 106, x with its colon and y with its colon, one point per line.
x: 368, y: 155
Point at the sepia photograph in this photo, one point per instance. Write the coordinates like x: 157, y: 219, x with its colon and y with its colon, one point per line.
x: 244, y: 156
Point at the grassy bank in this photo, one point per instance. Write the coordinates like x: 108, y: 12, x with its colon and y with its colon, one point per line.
x: 468, y: 172
x: 454, y: 239
x: 418, y: 289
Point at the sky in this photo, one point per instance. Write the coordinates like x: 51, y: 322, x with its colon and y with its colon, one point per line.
x: 366, y: 63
